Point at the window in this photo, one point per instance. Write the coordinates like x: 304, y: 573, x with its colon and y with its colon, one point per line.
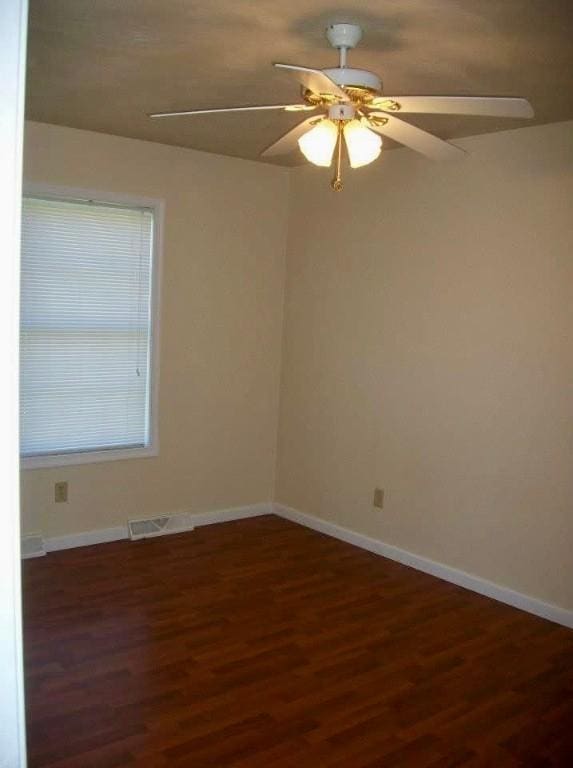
x: 86, y: 331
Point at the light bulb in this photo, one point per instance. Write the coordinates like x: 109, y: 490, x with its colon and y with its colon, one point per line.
x: 363, y: 145
x: 318, y: 144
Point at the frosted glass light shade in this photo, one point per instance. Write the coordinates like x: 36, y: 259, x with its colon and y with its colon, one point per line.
x: 318, y: 144
x: 363, y: 145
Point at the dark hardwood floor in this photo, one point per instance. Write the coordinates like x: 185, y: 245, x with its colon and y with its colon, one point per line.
x: 261, y: 643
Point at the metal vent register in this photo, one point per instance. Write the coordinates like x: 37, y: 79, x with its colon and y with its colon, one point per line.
x: 159, y: 526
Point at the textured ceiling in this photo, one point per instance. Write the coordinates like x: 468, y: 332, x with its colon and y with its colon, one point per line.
x: 103, y: 65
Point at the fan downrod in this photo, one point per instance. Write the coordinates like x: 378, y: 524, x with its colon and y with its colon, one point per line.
x: 344, y: 37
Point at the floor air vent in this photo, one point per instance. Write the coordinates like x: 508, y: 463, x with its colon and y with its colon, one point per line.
x: 159, y: 526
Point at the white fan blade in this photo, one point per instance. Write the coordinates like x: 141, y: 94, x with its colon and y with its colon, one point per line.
x: 288, y: 142
x: 415, y: 138
x: 287, y: 107
x: 315, y: 80
x: 494, y: 106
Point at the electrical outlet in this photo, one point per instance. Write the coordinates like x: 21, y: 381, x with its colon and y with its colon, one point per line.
x: 378, y: 498
x: 60, y: 492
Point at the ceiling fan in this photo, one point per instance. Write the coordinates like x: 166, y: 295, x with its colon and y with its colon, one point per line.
x: 355, y: 113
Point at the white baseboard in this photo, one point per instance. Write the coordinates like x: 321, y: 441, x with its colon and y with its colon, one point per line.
x: 86, y: 538
x: 104, y: 535
x: 461, y: 578
x: 234, y: 513
x: 32, y: 545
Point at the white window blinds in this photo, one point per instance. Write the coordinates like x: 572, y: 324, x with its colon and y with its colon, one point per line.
x: 85, y: 326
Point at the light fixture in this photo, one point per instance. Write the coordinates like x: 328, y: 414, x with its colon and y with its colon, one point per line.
x: 362, y: 144
x: 352, y: 110
x: 318, y: 144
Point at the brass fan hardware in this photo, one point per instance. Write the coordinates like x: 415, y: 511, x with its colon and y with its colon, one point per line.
x: 336, y: 182
x: 388, y: 105
x: 353, y: 110
x: 318, y: 99
x: 376, y: 120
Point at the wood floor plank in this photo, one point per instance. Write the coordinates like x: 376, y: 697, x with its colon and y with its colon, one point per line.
x: 262, y: 643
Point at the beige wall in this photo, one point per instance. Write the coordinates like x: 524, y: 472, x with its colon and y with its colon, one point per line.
x: 428, y: 349
x: 221, y: 319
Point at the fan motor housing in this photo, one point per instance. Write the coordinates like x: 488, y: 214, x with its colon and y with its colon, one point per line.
x: 357, y: 79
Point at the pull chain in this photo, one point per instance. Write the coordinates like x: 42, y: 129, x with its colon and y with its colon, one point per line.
x: 336, y: 182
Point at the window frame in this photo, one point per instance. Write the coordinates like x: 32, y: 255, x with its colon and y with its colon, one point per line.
x: 56, y: 192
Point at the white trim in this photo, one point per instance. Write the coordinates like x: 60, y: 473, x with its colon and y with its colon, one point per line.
x: 85, y: 539
x: 533, y: 605
x: 447, y: 573
x: 13, y: 25
x: 86, y: 457
x: 40, y: 189
x: 63, y: 192
x: 32, y: 546
x: 233, y: 513
x: 104, y: 535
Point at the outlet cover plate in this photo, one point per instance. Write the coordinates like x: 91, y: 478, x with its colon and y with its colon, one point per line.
x: 378, y: 500
x: 60, y: 492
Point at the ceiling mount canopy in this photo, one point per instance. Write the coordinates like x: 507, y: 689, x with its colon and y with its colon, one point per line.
x: 351, y: 112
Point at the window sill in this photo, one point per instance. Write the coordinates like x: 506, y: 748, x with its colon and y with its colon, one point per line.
x: 89, y: 457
